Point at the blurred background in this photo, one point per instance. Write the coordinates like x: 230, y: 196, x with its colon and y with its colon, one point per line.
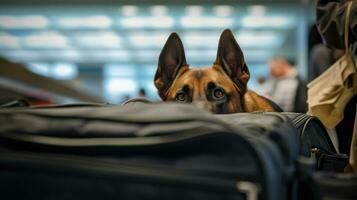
x: 66, y: 51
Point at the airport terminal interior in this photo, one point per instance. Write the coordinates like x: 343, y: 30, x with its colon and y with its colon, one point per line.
x: 107, y: 51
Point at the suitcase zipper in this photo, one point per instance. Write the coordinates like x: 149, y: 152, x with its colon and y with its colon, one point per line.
x: 298, y: 121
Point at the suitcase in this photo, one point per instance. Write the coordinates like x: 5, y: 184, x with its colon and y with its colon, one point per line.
x: 142, y: 151
x: 335, y: 186
x: 316, y: 142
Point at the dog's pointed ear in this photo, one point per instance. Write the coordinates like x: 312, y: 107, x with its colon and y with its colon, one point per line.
x: 171, y: 60
x: 230, y: 57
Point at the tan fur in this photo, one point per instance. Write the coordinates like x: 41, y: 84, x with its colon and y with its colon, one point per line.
x: 252, y: 101
x: 221, y: 88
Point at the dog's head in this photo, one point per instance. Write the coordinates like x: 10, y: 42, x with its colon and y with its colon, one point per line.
x: 219, y: 88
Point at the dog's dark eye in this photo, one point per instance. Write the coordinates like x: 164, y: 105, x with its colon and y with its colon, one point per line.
x: 218, y: 93
x: 180, y: 97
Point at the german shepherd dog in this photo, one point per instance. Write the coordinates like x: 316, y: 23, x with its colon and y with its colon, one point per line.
x: 221, y: 88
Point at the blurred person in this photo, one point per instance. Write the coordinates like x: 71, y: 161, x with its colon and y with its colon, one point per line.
x: 330, y: 15
x: 261, y: 85
x: 321, y: 59
x: 285, y: 87
x: 142, y: 93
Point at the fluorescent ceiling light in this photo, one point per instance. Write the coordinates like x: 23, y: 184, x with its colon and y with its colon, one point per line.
x: 105, y: 39
x: 266, y: 21
x: 64, y: 71
x: 46, y: 40
x: 201, y: 56
x: 98, y: 21
x: 265, y: 39
x: 129, y: 10
x: 223, y: 11
x: 23, y: 22
x: 194, y: 10
x: 159, y: 10
x: 147, y: 55
x: 257, y: 10
x: 120, y: 85
x: 200, y: 22
x: 39, y: 68
x: 145, y: 22
x: 148, y: 39
x: 106, y: 56
x: 201, y: 39
x: 119, y: 70
x: 9, y: 41
x: 257, y: 55
x: 42, y: 56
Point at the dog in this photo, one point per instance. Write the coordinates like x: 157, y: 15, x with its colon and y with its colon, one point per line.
x: 221, y: 88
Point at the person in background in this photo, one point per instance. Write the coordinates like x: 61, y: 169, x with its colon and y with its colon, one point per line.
x: 330, y: 15
x: 285, y: 87
x: 321, y: 59
x: 142, y: 93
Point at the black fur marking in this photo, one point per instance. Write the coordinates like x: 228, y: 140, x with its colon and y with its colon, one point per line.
x: 198, y: 75
x: 211, y: 85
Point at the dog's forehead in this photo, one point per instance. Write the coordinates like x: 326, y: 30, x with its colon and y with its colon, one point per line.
x: 201, y: 74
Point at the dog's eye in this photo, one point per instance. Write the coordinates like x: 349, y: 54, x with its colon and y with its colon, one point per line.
x: 218, y: 93
x: 180, y: 97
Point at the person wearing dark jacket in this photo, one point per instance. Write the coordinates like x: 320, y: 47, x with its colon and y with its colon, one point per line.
x: 330, y: 22
x: 330, y: 15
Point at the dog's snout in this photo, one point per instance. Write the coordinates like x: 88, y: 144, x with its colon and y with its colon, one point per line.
x: 203, y: 104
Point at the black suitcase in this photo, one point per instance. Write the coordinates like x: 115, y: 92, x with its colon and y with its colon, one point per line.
x: 316, y: 142
x: 334, y: 186
x: 142, y: 151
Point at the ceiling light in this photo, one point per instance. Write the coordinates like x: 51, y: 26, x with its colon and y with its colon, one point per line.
x: 257, y: 10
x: 23, y: 22
x: 42, y: 55
x: 201, y: 56
x: 159, y: 10
x: 148, y: 39
x: 223, y: 11
x: 120, y: 85
x: 265, y: 39
x: 145, y: 22
x: 39, y: 68
x: 85, y: 22
x: 64, y: 71
x: 119, y: 70
x: 9, y: 41
x: 129, y: 10
x: 46, y: 40
x: 201, y: 39
x: 201, y: 22
x: 194, y: 10
x: 105, y: 39
x: 266, y: 21
x: 147, y: 55
x: 106, y: 56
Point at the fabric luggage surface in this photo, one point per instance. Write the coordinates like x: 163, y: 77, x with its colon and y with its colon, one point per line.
x: 141, y: 151
x: 316, y: 142
x: 335, y: 186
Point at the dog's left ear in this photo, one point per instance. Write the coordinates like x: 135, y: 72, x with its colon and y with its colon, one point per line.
x: 172, y: 59
x: 230, y: 58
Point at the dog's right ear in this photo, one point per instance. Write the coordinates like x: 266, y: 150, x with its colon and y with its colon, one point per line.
x: 172, y: 59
